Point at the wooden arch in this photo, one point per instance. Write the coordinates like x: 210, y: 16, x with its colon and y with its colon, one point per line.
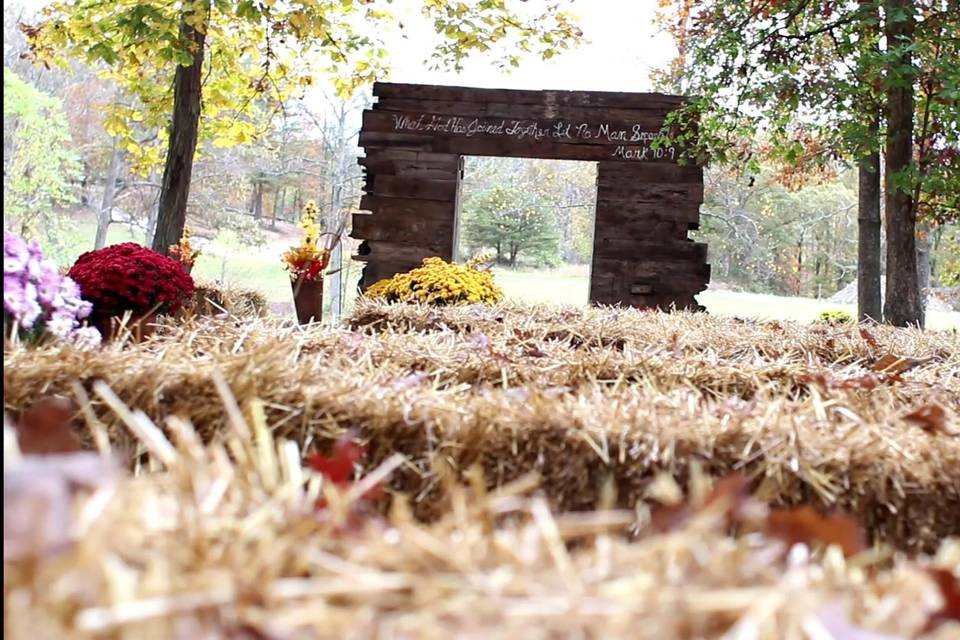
x: 414, y: 139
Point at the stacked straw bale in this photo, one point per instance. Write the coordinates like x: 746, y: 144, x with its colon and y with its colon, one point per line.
x: 580, y: 396
x: 223, y: 541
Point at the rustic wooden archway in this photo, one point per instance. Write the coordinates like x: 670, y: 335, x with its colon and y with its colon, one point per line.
x: 414, y: 139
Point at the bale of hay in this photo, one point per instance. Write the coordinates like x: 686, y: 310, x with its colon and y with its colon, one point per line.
x: 213, y: 298
x: 232, y: 546
x: 581, y: 396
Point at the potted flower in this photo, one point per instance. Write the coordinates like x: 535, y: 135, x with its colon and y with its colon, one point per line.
x: 39, y: 302
x: 306, y: 263
x: 128, y: 283
x: 184, y: 252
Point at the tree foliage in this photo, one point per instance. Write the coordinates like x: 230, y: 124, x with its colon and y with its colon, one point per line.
x: 564, y: 191
x: 259, y: 54
x: 40, y: 169
x: 513, y: 222
x: 795, y: 82
x: 804, y: 83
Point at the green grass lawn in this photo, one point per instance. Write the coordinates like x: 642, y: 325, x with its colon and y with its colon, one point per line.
x: 260, y: 269
x: 571, y: 286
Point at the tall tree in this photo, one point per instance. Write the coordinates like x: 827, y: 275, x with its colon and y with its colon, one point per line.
x: 225, y: 60
x: 789, y: 72
x: 902, y: 304
x: 512, y: 222
x: 869, y: 272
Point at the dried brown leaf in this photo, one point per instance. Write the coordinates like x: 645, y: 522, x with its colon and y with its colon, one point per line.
x: 949, y: 585
x: 805, y: 525
x: 930, y: 417
x: 47, y: 427
x: 896, y: 364
x: 868, y: 337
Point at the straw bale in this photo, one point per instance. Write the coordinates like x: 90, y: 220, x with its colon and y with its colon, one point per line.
x: 213, y: 298
x: 578, y: 395
x: 212, y: 547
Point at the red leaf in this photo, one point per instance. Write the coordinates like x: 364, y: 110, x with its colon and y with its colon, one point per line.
x: 868, y: 337
x: 669, y: 517
x: 338, y: 468
x: 47, y: 427
x: 805, y: 525
x: 930, y: 417
x: 733, y: 489
x: 950, y: 591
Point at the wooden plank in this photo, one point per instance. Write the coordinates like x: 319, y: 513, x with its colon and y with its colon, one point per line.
x: 416, y: 188
x: 515, y: 111
x: 473, y: 94
x: 376, y: 140
x: 405, y: 229
x: 623, y: 212
x: 406, y: 162
x: 381, y: 250
x: 689, y: 192
x: 408, y: 207
x: 612, y: 173
x: 626, y: 285
x: 606, y: 131
x: 628, y: 249
x: 411, y: 168
x: 644, y: 269
x: 643, y: 229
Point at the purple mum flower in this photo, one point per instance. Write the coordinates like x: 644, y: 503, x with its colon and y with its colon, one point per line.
x: 36, y: 297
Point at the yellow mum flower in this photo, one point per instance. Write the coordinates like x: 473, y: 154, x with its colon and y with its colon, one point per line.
x: 439, y: 282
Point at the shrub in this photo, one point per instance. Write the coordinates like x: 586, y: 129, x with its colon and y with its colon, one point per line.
x: 37, y: 300
x: 441, y: 283
x: 128, y: 277
x: 835, y: 317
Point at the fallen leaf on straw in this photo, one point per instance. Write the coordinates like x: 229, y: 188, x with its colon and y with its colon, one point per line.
x: 896, y: 364
x: 339, y: 467
x: 931, y: 417
x: 47, y: 427
x: 949, y: 585
x: 805, y: 525
x: 868, y: 337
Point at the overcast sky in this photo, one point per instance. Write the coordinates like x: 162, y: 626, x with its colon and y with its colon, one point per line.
x: 624, y: 47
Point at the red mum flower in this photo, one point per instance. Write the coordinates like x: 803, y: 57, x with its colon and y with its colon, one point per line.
x: 129, y: 277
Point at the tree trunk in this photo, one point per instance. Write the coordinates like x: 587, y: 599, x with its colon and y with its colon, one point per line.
x: 172, y: 213
x: 109, y: 193
x: 278, y: 206
x: 798, y: 283
x: 869, y: 272
x: 902, y: 304
x: 151, y: 227
x: 258, y: 201
x: 869, y: 302
x: 924, y: 266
